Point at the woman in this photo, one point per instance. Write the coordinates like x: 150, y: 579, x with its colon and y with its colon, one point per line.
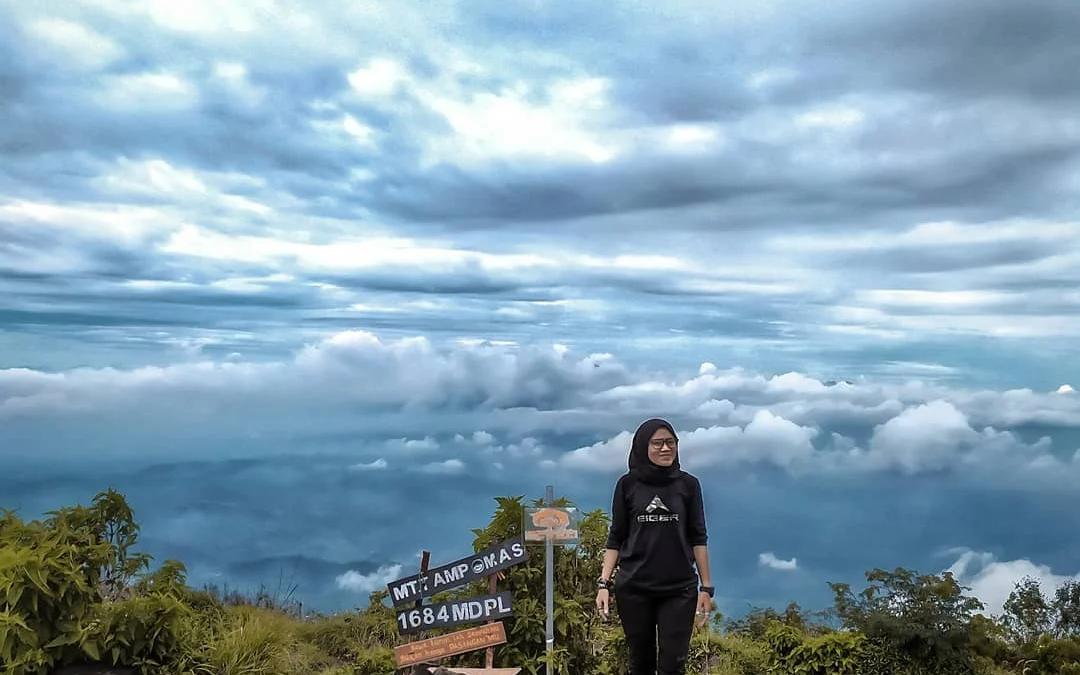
x: 657, y: 538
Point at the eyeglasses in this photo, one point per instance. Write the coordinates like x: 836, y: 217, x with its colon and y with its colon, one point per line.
x: 658, y: 443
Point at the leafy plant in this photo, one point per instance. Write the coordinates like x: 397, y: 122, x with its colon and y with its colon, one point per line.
x: 145, y: 633
x: 791, y: 651
x: 49, y: 584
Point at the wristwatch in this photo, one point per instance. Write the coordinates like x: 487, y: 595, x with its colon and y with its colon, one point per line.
x: 602, y: 583
x: 707, y: 590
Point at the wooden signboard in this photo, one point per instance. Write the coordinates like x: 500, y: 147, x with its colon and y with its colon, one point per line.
x: 494, y: 559
x: 454, y: 613
x: 432, y: 649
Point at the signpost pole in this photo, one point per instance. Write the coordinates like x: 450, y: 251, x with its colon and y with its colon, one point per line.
x: 550, y: 524
x: 549, y: 591
x: 425, y: 561
x: 489, y: 656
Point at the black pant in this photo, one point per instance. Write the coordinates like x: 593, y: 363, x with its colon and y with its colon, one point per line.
x: 650, y: 621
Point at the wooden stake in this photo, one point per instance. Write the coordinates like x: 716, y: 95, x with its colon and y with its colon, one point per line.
x: 489, y: 656
x: 425, y: 560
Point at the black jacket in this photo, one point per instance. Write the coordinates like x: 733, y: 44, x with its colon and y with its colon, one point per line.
x: 654, y: 527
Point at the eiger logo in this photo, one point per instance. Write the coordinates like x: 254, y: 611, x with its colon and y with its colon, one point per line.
x: 658, y: 512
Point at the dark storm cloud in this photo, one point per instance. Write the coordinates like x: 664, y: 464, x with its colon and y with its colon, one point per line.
x: 944, y: 68
x: 753, y: 183
x: 700, y: 59
x: 206, y: 124
x: 934, y: 257
x: 948, y: 69
x: 563, y: 192
x: 101, y: 300
x: 23, y: 241
x: 13, y: 319
x: 970, y: 48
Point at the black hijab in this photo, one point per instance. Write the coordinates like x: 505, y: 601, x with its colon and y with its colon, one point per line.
x: 643, y: 468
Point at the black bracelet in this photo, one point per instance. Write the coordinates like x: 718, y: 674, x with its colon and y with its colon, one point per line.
x: 707, y: 590
x: 600, y: 583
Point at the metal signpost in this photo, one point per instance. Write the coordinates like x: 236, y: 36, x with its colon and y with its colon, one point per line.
x: 413, y: 617
x: 551, y: 525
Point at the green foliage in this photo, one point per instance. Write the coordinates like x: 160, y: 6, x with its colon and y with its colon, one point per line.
x: 53, y: 576
x: 576, y: 568
x: 758, y: 620
x: 926, y: 618
x: 146, y: 633
x: 727, y: 655
x: 792, y: 651
x: 74, y: 591
x: 1066, y: 609
x: 1027, y: 612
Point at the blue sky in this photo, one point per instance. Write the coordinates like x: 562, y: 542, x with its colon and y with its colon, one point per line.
x: 314, y: 284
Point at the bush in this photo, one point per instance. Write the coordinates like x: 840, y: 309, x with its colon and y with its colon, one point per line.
x: 727, y: 655
x: 50, y: 584
x: 791, y: 651
x: 151, y: 634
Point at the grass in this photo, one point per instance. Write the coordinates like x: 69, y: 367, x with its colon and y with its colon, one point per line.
x: 261, y: 635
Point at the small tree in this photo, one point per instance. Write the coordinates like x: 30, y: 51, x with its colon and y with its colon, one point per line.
x: 759, y: 619
x: 579, y: 634
x: 924, y: 618
x: 1027, y: 613
x: 1066, y: 609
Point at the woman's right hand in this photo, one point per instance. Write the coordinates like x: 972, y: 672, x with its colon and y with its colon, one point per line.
x: 603, y: 602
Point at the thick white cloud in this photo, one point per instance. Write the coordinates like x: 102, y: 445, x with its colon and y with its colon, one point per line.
x: 765, y: 439
x: 367, y: 583
x: 992, y: 580
x: 356, y: 366
x: 792, y: 421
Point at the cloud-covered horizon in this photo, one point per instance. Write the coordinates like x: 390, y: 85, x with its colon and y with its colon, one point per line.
x: 277, y: 271
x: 811, y: 468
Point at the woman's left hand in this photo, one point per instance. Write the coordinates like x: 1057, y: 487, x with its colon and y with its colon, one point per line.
x: 704, y: 607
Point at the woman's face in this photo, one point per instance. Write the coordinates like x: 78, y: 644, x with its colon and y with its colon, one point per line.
x: 663, y: 447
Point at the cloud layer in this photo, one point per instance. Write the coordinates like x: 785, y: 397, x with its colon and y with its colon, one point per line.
x: 816, y: 470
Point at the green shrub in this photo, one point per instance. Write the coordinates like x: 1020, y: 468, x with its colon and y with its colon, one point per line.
x: 375, y: 661
x: 150, y: 634
x: 834, y: 653
x: 727, y: 655
x: 48, y: 590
